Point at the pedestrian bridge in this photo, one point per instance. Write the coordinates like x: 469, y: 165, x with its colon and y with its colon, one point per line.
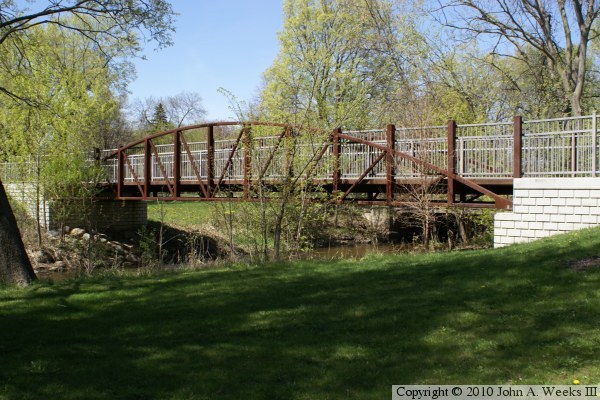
x: 451, y: 165
x: 468, y: 165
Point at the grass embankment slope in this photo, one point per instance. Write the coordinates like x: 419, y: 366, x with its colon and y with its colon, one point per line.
x: 310, y: 330
x: 181, y: 214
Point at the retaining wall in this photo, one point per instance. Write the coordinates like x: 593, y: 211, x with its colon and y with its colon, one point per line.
x: 110, y: 216
x: 25, y: 194
x: 548, y: 206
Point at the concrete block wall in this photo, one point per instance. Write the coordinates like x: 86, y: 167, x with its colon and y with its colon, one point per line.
x: 108, y: 216
x: 548, y: 206
x: 25, y: 194
x: 119, y: 216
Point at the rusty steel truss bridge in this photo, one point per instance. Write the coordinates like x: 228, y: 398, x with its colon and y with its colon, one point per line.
x: 452, y: 165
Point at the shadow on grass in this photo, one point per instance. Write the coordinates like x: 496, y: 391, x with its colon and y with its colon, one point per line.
x: 309, y: 330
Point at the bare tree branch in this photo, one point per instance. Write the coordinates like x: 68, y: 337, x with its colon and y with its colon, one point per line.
x: 560, y: 30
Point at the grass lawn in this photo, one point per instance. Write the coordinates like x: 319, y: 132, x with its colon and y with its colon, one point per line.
x: 310, y: 330
x: 186, y: 214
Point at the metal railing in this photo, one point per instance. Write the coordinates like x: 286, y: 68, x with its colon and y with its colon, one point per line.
x: 561, y: 147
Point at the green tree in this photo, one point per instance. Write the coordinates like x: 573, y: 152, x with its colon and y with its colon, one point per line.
x: 72, y: 87
x: 159, y: 121
x: 45, y: 103
x: 326, y: 70
x: 561, y: 31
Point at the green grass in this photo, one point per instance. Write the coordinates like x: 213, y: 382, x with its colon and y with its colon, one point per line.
x: 182, y: 214
x: 310, y: 330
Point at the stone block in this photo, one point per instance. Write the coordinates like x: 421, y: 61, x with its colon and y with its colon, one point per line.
x: 581, y: 193
x: 537, y: 209
x: 499, y: 232
x: 565, y: 193
x: 589, y: 219
x: 521, y: 225
x: 529, y: 233
x: 550, y: 210
x: 536, y: 193
x: 519, y: 209
x: 557, y: 218
x: 542, y: 217
x: 504, y: 216
x: 581, y: 210
x: 565, y: 227
x: 507, y: 224
x: 536, y: 225
x: 589, y: 202
x: 530, y: 217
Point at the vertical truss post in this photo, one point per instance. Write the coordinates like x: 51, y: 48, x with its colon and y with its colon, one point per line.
x: 247, y: 162
x: 289, y: 152
x: 210, y: 159
x: 336, y: 160
x: 390, y: 171
x: 517, y: 147
x: 147, y: 168
x: 594, y: 145
x: 177, y: 164
x: 451, y: 159
x: 120, y: 172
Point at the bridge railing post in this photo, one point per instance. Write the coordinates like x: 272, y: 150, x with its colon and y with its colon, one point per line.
x: 390, y: 170
x: 120, y: 172
x: 147, y: 168
x: 517, y: 147
x: 247, y: 162
x: 176, y: 164
x: 336, y: 160
x: 594, y: 145
x: 210, y: 159
x: 451, y: 159
x: 289, y: 152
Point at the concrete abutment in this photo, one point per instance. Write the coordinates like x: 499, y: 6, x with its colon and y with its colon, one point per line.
x: 102, y: 215
x: 548, y: 206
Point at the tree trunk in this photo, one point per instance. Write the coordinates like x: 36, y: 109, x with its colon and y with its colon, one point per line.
x: 15, y: 267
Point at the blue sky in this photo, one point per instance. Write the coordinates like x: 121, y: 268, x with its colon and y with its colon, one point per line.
x: 218, y: 43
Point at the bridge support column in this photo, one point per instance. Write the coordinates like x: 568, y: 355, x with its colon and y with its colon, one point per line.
x: 381, y: 219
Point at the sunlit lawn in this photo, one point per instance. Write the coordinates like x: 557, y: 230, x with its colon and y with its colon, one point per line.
x: 185, y: 214
x: 310, y: 330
